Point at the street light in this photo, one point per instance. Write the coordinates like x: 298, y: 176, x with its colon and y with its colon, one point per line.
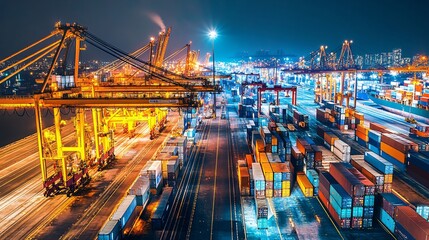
x: 212, y: 36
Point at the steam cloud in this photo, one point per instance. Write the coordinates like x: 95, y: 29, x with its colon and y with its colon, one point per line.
x: 157, y: 19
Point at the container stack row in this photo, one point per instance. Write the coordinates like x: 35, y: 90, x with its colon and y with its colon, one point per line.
x: 359, y: 189
x: 401, y: 219
x: 338, y: 116
x: 380, y: 176
x: 342, y: 150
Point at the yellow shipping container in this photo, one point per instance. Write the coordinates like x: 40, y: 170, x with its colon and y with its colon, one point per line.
x: 268, y: 172
x: 388, y: 178
x: 263, y: 157
x: 285, y: 192
x: 269, y: 193
x: 285, y: 184
x: 304, y: 184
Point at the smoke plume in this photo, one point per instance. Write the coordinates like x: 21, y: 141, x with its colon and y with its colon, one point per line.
x: 157, y: 19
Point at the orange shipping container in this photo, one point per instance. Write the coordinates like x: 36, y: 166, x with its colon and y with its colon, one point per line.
x: 362, y: 135
x: 273, y: 140
x: 244, y: 178
x: 362, y: 129
x: 249, y: 160
x: 359, y: 116
x: 393, y: 152
x: 330, y: 138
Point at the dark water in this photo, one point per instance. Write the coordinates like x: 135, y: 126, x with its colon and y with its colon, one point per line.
x: 19, y: 123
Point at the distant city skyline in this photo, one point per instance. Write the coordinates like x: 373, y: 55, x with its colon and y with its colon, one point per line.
x: 294, y: 27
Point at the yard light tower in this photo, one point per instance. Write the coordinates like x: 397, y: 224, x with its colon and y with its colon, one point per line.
x: 213, y: 36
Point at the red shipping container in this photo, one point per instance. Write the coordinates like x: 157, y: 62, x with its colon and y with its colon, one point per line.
x: 323, y: 200
x: 396, y: 142
x: 346, y: 179
x: 296, y: 153
x: 318, y: 156
x: 415, y: 224
x: 342, y: 223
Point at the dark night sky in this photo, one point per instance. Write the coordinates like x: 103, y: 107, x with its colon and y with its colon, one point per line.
x: 296, y: 27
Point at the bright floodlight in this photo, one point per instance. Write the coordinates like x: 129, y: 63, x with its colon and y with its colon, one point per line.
x: 212, y: 34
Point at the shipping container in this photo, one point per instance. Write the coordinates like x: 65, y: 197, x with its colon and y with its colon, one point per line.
x: 415, y: 224
x: 281, y: 171
x: 160, y: 214
x: 379, y: 163
x: 398, y: 155
x: 268, y: 172
x: 368, y: 171
x: 125, y: 210
x: 347, y: 180
x: 342, y: 146
x: 304, y: 184
x: 141, y: 189
x: 401, y: 233
x: 258, y: 178
x: 111, y: 230
x: 330, y: 138
x: 338, y: 193
x: 261, y: 208
x: 389, y: 202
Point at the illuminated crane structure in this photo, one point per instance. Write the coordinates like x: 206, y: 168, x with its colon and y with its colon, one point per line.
x: 66, y: 168
x: 323, y: 66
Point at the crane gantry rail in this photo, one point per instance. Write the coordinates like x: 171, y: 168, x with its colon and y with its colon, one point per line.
x: 149, y: 101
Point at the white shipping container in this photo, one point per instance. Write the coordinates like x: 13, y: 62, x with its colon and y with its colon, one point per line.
x: 342, y: 146
x: 155, y: 169
x: 345, y: 157
x: 144, y: 171
x: 172, y: 166
x: 172, y: 150
x: 139, y: 187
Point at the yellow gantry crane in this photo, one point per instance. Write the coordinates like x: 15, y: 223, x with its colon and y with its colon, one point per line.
x: 65, y: 168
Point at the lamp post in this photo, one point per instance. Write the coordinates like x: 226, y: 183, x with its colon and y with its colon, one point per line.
x: 212, y: 36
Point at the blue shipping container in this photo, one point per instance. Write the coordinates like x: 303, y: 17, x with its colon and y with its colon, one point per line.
x: 368, y: 212
x: 340, y: 195
x: 374, y: 135
x: 393, y: 160
x: 313, y: 176
x: 110, y: 231
x: 342, y: 212
x: 379, y: 163
x: 125, y: 210
x: 374, y: 148
x: 368, y: 200
x: 387, y: 220
x: 357, y: 212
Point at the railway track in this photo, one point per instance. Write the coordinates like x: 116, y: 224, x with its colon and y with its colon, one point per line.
x: 179, y: 220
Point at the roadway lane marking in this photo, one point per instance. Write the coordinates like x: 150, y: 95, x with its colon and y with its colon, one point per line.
x: 215, y: 178
x: 329, y: 216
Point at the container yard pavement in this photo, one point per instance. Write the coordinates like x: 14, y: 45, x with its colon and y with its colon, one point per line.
x: 294, y: 217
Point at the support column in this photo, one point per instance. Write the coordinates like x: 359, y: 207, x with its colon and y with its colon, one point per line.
x: 58, y: 140
x: 39, y: 129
